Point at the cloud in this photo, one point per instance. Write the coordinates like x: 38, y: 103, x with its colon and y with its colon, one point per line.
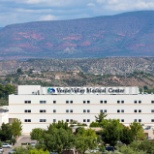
x: 15, y: 11
x: 48, y: 17
x: 125, y: 5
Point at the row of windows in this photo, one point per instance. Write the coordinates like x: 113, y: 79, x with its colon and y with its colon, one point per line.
x: 88, y: 111
x: 41, y: 120
x: 84, y: 120
x: 84, y: 102
x: 54, y: 120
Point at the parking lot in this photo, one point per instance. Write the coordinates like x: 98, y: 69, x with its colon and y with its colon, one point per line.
x: 22, y: 140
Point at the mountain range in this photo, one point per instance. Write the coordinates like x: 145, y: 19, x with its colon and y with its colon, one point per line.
x: 127, y: 34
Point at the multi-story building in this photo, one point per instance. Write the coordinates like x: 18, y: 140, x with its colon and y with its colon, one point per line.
x: 37, y: 106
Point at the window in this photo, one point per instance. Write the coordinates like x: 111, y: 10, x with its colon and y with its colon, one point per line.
x: 84, y: 120
x: 42, y: 102
x: 135, y: 111
x: 84, y: 111
x: 67, y: 111
x: 101, y: 111
x: 27, y: 102
x: 84, y: 102
x: 27, y: 120
x: 105, y: 111
x: 140, y: 102
x: 67, y: 102
x: 122, y: 120
x: 139, y: 120
x: 54, y: 120
x: 105, y: 101
x: 118, y: 111
x: 42, y: 111
x: 42, y: 120
x: 101, y: 101
x: 139, y: 111
x: 122, y: 101
x: 135, y: 120
x: 67, y: 120
x: 118, y: 101
x: 27, y: 111
x: 88, y: 111
x: 152, y: 120
x: 71, y: 102
x: 88, y: 120
x: 152, y: 110
x: 152, y: 101
x: 135, y: 102
x: 122, y: 111
x: 54, y: 102
x: 71, y: 111
x: 71, y: 120
x: 54, y: 111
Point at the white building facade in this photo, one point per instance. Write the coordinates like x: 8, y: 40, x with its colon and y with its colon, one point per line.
x: 37, y: 106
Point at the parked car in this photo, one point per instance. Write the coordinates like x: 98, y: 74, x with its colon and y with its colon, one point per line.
x: 33, y: 144
x: 1, y: 150
x: 110, y: 148
x: 12, y: 151
x: 6, y: 145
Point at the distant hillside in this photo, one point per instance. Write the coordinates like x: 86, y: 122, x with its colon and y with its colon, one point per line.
x: 128, y: 34
x: 98, y: 66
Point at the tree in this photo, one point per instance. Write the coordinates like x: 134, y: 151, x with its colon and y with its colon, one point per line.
x: 147, y: 146
x: 19, y: 71
x: 5, y: 132
x: 127, y: 135
x: 100, y: 117
x: 85, y: 139
x: 130, y: 150
x: 9, y: 89
x: 36, y: 151
x: 60, y: 124
x: 16, y: 128
x: 57, y: 137
x: 29, y: 150
x: 137, y: 131
x: 112, y: 131
x: 37, y: 134
x: 1, y: 91
x: 59, y: 140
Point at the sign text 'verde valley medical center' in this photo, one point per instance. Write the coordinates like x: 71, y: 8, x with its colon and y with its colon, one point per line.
x: 88, y: 90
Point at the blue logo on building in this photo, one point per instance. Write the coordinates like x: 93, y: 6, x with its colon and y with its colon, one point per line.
x: 51, y: 90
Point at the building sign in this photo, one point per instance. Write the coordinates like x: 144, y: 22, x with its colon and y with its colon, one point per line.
x: 92, y: 90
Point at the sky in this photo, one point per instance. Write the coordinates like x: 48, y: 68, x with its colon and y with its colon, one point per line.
x: 20, y: 11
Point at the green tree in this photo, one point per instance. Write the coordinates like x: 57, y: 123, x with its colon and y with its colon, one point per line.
x: 147, y: 146
x: 19, y: 71
x: 58, y: 140
x: 137, y: 131
x: 16, y: 127
x: 85, y: 139
x: 126, y: 136
x: 9, y: 89
x: 1, y: 91
x: 60, y: 124
x: 37, y: 134
x: 100, y: 117
x: 36, y: 151
x: 129, y: 150
x: 29, y: 150
x: 5, y: 132
x: 112, y: 131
